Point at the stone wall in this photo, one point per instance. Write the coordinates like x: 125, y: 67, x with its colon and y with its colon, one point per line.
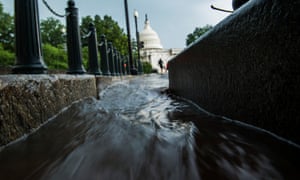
x: 27, y: 101
x: 247, y: 67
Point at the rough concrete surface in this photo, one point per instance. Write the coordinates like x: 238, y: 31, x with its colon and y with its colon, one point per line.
x: 247, y: 67
x: 27, y: 101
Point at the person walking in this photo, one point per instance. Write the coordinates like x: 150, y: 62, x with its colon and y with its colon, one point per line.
x: 161, y: 65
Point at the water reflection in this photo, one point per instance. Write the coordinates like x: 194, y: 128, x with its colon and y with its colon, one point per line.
x: 136, y: 132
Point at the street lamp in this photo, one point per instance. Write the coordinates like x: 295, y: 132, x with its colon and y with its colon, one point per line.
x: 140, y: 67
x: 133, y: 71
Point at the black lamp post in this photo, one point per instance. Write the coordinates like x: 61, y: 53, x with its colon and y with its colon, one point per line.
x: 133, y: 70
x: 29, y: 58
x: 139, y: 64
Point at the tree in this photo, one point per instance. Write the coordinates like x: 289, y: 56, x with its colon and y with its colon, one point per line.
x: 199, y: 31
x: 52, y: 32
x: 6, y: 30
x: 109, y: 28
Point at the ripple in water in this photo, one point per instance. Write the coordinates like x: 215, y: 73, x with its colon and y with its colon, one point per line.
x: 136, y: 132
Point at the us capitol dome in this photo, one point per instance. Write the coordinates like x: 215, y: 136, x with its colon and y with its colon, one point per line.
x: 150, y: 37
x: 153, y: 50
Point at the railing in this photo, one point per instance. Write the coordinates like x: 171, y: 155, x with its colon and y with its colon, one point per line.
x: 30, y: 61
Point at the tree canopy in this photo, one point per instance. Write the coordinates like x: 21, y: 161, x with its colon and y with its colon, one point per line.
x: 199, y: 31
x: 53, y: 32
x: 6, y: 38
x: 6, y: 30
x: 108, y: 27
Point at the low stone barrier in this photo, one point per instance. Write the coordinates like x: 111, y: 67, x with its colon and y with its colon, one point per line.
x: 247, y: 67
x: 27, y: 101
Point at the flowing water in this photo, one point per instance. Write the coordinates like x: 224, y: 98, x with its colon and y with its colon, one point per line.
x: 136, y: 132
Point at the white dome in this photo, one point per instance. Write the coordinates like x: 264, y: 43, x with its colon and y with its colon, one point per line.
x: 150, y: 37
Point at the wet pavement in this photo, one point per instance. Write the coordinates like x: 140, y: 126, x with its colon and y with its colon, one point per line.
x: 136, y: 132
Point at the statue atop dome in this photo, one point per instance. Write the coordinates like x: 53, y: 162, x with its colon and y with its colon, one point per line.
x: 146, y: 18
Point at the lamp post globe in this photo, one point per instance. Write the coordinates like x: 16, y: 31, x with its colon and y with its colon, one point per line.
x: 136, y: 14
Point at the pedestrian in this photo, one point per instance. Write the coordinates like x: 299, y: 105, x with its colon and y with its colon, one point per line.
x: 161, y: 65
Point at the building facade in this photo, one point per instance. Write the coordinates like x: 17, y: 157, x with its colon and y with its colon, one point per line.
x: 153, y: 50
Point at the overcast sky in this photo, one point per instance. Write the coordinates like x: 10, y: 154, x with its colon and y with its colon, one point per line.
x: 171, y: 19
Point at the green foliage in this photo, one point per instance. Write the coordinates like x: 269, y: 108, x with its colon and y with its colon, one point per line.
x: 55, y: 58
x: 7, y: 58
x: 199, y: 31
x: 53, y: 39
x: 52, y: 32
x: 85, y: 57
x: 147, y: 67
x: 6, y: 30
x: 7, y: 38
x: 108, y: 27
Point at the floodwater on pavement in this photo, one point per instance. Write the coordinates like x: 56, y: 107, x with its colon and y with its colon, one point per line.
x: 137, y: 132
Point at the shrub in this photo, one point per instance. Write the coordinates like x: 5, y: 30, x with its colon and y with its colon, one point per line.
x: 7, y: 58
x: 55, y: 58
x: 147, y: 67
